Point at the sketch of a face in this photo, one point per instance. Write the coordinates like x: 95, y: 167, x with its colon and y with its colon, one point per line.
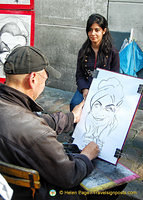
x: 12, y: 34
x: 11, y: 37
x: 15, y: 1
x: 103, y: 110
x: 102, y: 119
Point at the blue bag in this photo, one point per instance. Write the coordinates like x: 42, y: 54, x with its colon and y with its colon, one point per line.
x: 131, y: 59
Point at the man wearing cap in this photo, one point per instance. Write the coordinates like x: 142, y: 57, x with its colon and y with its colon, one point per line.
x: 29, y: 140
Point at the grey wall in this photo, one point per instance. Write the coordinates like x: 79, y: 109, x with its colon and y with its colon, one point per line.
x: 126, y: 14
x: 60, y: 30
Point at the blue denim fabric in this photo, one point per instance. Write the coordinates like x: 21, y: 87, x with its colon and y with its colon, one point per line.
x: 77, y: 99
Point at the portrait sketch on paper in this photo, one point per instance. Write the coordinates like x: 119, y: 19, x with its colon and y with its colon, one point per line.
x: 101, y: 120
x: 15, y: 2
x: 108, y: 112
x: 15, y: 31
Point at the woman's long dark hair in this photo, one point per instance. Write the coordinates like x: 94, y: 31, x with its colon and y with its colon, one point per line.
x: 106, y: 43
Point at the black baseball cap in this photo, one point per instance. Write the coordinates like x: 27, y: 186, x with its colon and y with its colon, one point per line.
x: 27, y: 59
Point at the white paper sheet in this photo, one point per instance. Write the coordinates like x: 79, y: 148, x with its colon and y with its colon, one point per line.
x: 5, y: 190
x: 108, y: 112
x: 15, y: 31
x: 25, y: 2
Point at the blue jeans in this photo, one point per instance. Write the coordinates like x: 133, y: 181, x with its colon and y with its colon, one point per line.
x: 77, y: 99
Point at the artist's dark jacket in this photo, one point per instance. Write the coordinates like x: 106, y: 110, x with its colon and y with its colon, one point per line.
x: 29, y: 140
x: 84, y: 68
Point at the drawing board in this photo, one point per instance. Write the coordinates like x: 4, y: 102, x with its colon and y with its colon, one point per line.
x: 106, y: 176
x: 108, y: 113
x: 16, y: 29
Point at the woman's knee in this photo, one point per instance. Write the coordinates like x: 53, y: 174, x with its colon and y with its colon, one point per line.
x: 77, y: 99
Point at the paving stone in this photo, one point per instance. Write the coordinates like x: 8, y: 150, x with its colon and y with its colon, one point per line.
x: 53, y: 100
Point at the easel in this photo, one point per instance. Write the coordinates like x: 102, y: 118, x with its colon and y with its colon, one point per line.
x: 106, y: 176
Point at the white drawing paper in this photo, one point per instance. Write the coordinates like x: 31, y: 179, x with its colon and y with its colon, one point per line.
x: 5, y: 190
x: 15, y: 30
x: 15, y: 2
x: 108, y: 112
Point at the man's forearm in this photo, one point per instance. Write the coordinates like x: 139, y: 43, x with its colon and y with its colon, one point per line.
x: 60, y: 122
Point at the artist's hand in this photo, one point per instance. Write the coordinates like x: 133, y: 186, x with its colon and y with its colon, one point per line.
x: 77, y: 112
x: 85, y: 93
x: 91, y: 150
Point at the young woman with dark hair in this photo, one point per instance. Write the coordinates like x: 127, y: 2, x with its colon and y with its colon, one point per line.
x: 96, y: 52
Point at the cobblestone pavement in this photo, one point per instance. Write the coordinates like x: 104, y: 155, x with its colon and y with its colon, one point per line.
x: 53, y: 100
